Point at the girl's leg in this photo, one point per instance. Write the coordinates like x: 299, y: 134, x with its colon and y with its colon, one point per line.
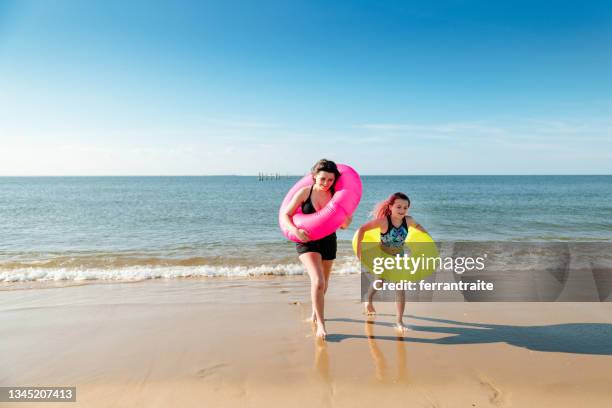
x: 400, y: 303
x: 314, y: 267
x: 369, y: 306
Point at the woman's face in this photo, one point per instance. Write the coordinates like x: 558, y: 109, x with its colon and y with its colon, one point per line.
x: 399, y: 208
x: 324, y: 180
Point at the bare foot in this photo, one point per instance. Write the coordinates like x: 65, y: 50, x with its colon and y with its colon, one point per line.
x: 311, y: 319
x: 400, y: 327
x: 321, y: 332
x: 369, y: 309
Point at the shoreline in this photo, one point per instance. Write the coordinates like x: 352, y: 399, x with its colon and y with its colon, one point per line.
x: 237, y: 342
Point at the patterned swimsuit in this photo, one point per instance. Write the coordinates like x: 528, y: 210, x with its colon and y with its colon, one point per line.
x: 395, y: 236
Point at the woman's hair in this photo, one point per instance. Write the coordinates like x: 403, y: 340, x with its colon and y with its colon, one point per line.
x: 328, y: 166
x: 382, y: 210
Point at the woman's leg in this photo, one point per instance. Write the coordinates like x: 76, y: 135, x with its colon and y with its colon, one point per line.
x: 314, y: 266
x: 327, y: 267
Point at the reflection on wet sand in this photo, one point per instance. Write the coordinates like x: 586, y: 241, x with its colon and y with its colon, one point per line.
x: 380, y: 363
x: 322, y: 361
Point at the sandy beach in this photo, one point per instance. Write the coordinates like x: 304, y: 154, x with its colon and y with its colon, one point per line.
x: 238, y: 342
x: 173, y: 172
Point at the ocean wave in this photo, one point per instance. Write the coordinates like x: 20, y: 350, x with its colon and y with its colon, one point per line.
x: 145, y: 272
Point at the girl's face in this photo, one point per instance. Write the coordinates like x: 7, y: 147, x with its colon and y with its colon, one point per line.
x: 324, y: 180
x: 399, y: 208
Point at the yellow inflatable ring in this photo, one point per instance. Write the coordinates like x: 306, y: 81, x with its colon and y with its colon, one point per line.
x: 420, y: 244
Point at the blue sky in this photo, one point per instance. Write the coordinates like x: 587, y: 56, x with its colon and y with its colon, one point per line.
x: 156, y: 88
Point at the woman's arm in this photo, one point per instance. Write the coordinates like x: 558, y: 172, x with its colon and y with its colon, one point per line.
x: 377, y: 223
x: 289, y: 210
x: 412, y: 223
x: 347, y: 222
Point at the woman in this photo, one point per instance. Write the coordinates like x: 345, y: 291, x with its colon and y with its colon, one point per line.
x: 316, y: 256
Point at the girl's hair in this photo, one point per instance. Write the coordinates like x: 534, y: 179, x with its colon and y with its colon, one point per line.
x: 328, y: 166
x: 381, y: 210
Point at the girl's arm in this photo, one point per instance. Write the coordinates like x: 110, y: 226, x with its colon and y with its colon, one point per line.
x: 412, y: 223
x: 289, y: 210
x: 377, y: 223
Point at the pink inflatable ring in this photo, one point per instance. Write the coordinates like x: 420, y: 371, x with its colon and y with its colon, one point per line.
x: 329, y: 218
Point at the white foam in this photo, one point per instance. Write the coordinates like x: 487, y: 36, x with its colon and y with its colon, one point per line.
x: 135, y: 273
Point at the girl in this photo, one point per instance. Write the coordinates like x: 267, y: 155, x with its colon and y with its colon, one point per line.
x: 316, y: 256
x: 391, y: 216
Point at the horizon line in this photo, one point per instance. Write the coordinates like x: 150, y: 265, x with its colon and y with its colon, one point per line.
x: 302, y: 175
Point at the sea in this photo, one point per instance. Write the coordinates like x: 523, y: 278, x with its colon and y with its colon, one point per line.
x: 116, y: 229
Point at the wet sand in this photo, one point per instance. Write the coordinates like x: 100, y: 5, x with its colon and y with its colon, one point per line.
x: 239, y: 342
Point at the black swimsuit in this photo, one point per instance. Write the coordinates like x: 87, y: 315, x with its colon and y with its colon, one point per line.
x: 326, y: 246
